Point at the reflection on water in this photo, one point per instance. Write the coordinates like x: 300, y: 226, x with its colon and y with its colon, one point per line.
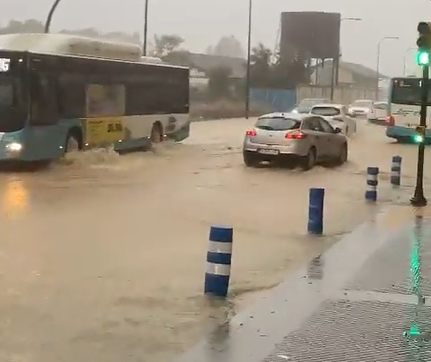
x: 15, y: 198
x: 220, y: 313
x: 315, y: 268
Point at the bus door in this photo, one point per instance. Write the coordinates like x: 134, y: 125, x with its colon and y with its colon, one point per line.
x: 44, y: 136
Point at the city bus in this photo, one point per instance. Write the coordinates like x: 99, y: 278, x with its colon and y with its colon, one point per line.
x: 61, y: 93
x: 404, y: 109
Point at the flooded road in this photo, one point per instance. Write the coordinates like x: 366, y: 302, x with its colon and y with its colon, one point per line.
x: 102, y: 257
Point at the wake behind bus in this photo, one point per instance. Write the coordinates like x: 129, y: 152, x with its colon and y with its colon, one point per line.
x: 404, y: 109
x: 61, y: 93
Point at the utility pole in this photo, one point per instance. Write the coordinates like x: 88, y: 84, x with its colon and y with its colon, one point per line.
x: 379, y: 45
x: 423, y: 59
x: 248, y: 75
x: 145, y: 45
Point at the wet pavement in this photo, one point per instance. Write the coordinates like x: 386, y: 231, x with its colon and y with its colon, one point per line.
x: 102, y: 256
x: 366, y: 299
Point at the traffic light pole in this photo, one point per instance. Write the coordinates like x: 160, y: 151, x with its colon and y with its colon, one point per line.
x: 418, y: 199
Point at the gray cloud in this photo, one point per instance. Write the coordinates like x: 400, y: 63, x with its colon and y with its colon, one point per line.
x: 203, y: 22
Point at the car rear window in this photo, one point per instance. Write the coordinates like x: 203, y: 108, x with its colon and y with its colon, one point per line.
x: 365, y: 104
x: 309, y: 102
x: 326, y: 111
x: 381, y: 105
x: 277, y: 124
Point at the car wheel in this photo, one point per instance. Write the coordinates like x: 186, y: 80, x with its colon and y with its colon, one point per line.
x: 250, y: 159
x: 309, y: 161
x: 344, y: 154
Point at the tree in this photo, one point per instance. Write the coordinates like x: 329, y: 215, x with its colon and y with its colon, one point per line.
x: 228, y: 46
x: 261, y: 66
x: 167, y: 43
x: 27, y: 26
x: 271, y: 71
x: 179, y: 57
x: 219, y: 82
x: 261, y: 56
x: 288, y: 73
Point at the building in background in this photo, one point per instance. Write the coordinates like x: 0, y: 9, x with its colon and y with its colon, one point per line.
x: 201, y: 65
x: 349, y: 74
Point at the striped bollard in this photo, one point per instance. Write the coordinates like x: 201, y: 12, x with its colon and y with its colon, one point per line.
x: 219, y: 258
x: 396, y: 170
x: 372, y: 183
x: 315, y: 211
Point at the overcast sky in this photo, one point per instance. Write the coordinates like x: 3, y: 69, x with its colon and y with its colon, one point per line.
x: 203, y: 22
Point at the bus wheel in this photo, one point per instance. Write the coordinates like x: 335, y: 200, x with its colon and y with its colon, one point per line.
x: 157, y: 133
x: 73, y: 142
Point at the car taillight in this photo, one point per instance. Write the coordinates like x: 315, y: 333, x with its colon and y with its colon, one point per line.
x: 251, y: 133
x: 390, y: 120
x: 295, y: 135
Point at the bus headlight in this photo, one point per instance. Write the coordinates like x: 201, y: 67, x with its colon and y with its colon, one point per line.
x: 14, y: 147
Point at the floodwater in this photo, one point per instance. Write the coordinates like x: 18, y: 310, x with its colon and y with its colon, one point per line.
x: 102, y: 257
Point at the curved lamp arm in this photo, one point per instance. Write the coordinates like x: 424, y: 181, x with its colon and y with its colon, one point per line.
x: 50, y: 14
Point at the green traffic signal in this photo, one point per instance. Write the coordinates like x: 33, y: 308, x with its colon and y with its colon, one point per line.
x: 423, y: 58
x: 418, y: 138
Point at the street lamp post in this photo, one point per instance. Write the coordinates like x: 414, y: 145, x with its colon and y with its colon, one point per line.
x: 378, y: 60
x: 145, y: 45
x: 406, y: 54
x: 248, y: 74
x: 336, y: 66
x: 50, y: 14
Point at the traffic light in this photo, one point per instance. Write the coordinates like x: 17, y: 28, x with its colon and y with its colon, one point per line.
x: 423, y: 56
x: 419, y: 137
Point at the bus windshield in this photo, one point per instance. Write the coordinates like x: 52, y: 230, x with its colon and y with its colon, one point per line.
x: 6, y: 93
x: 407, y: 91
x: 12, y: 112
x: 13, y: 109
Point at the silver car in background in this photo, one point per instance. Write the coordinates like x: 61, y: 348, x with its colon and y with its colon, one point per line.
x: 378, y: 113
x: 337, y: 115
x: 303, y: 139
x: 361, y: 108
x: 307, y: 103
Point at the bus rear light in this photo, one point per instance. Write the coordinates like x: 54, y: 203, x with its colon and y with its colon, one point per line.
x: 390, y: 121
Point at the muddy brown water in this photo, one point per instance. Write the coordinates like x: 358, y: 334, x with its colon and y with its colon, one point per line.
x: 102, y: 256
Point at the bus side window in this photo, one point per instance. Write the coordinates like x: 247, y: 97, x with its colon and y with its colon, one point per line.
x: 44, y: 105
x: 71, y: 95
x: 105, y: 100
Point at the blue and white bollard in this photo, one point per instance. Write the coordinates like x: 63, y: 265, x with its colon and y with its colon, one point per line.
x: 315, y: 211
x: 396, y: 170
x: 372, y: 183
x: 219, y: 259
